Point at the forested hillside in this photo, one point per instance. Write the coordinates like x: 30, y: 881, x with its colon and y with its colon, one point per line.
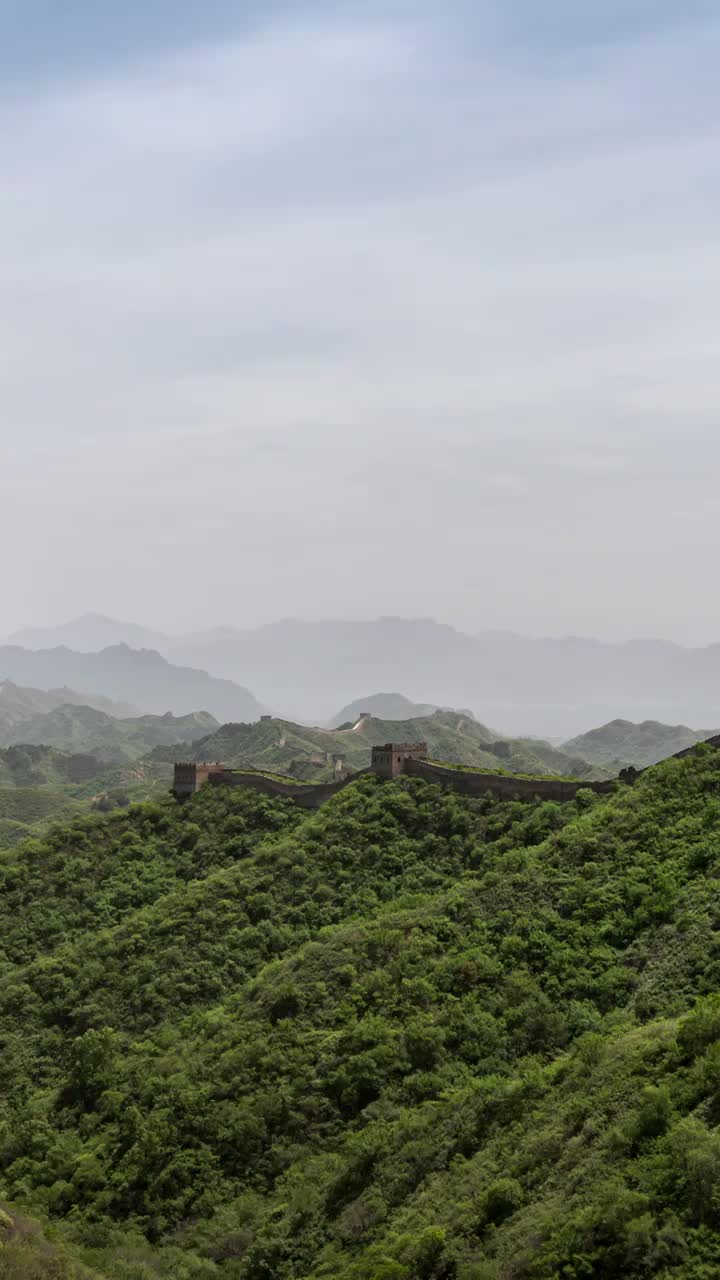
x: 39, y: 785
x: 109, y: 738
x: 622, y: 742
x: 452, y: 736
x: 408, y: 1036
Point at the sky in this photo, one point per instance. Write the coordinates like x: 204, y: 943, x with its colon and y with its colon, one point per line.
x: 345, y: 310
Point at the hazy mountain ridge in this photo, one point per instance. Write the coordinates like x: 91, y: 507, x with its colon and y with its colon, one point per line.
x: 545, y: 686
x: 140, y: 676
x: 638, y: 744
x: 18, y: 703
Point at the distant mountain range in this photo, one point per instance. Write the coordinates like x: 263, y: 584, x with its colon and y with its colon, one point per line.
x: 285, y: 747
x: 141, y: 677
x: 89, y: 634
x: 644, y: 744
x: 85, y: 729
x: 18, y: 704
x: 551, y: 687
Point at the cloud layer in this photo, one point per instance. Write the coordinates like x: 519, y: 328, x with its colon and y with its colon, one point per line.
x: 367, y: 311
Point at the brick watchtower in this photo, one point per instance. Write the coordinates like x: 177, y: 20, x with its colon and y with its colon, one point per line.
x: 388, y: 761
x: 189, y: 778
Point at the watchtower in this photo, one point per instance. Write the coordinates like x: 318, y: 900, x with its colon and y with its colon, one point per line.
x: 190, y: 777
x: 388, y: 761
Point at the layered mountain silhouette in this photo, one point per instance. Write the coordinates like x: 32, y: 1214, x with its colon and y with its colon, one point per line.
x: 140, y: 676
x: 553, y: 687
x: 19, y: 704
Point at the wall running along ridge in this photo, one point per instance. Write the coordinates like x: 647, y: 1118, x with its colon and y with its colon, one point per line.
x: 503, y: 786
x: 395, y: 759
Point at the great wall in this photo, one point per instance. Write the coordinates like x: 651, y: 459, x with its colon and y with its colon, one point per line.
x: 393, y: 760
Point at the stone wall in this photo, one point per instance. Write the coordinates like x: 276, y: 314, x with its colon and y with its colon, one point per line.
x: 309, y: 795
x: 503, y: 786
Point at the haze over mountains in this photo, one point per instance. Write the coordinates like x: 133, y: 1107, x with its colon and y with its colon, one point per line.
x: 19, y: 704
x: 142, y: 677
x: 552, y: 687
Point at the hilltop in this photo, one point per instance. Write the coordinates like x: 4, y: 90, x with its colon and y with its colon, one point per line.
x: 622, y: 742
x: 84, y: 729
x: 409, y: 1036
x: 285, y: 747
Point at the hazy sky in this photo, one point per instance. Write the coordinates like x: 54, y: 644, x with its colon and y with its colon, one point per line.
x: 349, y: 309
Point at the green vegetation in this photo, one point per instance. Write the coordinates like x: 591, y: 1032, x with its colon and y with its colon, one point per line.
x: 19, y: 705
x: 39, y: 785
x: 409, y: 1035
x: 622, y: 743
x: 26, y: 1254
x: 502, y: 773
x: 283, y: 747
x: 84, y: 729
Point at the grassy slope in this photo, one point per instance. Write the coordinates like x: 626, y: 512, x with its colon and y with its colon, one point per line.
x: 410, y: 1035
x: 450, y: 736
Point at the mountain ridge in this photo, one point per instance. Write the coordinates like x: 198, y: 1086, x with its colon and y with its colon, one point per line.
x: 143, y: 677
x: 541, y: 686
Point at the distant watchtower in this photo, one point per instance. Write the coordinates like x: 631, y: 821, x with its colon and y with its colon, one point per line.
x: 388, y: 761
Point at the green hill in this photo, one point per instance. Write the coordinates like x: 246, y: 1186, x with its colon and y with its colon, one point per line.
x: 451, y: 735
x: 86, y: 729
x: 19, y: 704
x: 40, y: 785
x: 407, y: 1036
x: 644, y: 744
